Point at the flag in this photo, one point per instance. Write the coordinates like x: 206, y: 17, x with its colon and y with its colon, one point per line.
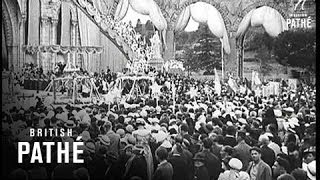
x: 255, y: 79
x: 256, y: 83
x: 233, y: 85
x: 217, y: 85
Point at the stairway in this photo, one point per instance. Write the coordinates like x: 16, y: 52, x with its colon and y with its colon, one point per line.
x: 110, y: 28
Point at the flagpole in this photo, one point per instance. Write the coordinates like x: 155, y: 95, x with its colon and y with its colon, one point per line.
x: 222, y: 61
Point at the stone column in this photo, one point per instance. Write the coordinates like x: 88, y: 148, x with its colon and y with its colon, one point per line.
x: 230, y: 60
x: 53, y: 41
x: 240, y: 56
x: 74, y: 25
x: 22, y: 41
x: 44, y: 40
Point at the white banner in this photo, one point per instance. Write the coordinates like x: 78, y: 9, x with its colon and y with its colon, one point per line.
x: 292, y: 83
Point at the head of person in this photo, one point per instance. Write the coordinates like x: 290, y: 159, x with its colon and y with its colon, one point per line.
x: 81, y: 174
x: 264, y: 140
x: 299, y: 174
x: 207, y: 143
x: 255, y: 153
x: 226, y: 151
x: 309, y: 155
x: 161, y: 154
x: 286, y: 177
x: 280, y: 166
x: 241, y: 136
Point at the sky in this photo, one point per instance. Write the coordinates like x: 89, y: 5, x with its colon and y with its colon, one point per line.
x: 133, y: 16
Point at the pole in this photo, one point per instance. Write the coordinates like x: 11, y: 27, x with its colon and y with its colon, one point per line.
x: 222, y: 61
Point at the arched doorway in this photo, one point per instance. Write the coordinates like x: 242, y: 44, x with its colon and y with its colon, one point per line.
x: 272, y: 21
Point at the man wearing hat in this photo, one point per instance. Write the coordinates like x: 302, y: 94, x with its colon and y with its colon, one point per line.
x: 258, y: 169
x: 309, y: 155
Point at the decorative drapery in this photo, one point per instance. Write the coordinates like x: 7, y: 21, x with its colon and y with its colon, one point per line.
x: 63, y: 49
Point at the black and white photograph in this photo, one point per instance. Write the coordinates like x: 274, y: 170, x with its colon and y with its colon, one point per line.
x: 158, y: 89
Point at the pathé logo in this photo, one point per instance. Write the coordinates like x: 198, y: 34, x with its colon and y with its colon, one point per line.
x: 302, y: 2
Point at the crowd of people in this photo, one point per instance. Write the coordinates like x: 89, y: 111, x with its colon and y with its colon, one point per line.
x: 198, y: 135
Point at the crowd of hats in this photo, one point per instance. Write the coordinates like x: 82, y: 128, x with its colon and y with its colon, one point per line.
x: 161, y: 120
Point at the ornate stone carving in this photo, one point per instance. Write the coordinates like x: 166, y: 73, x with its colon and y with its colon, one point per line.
x: 50, y: 8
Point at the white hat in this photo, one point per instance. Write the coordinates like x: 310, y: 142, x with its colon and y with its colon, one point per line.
x: 160, y: 136
x: 311, y: 170
x: 166, y: 144
x: 229, y: 123
x: 235, y: 163
x: 143, y: 113
x: 242, y: 120
x: 289, y: 109
x: 141, y: 132
x: 277, y: 112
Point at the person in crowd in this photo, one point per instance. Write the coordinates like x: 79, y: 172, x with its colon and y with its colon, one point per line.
x: 235, y: 172
x: 280, y: 166
x: 242, y: 149
x: 164, y: 170
x: 258, y: 169
x: 267, y: 154
x: 212, y: 162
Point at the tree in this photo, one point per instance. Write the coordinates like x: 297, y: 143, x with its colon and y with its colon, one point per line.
x: 296, y: 48
x: 207, y: 50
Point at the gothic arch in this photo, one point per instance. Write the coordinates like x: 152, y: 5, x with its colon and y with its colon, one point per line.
x: 11, y: 16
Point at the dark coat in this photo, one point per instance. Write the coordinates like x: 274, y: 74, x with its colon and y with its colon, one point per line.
x: 268, y: 155
x: 242, y: 151
x: 138, y: 167
x: 179, y: 165
x: 163, y: 172
x: 201, y: 173
x: 212, y: 163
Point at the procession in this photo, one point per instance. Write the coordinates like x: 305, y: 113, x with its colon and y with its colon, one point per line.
x: 115, y: 102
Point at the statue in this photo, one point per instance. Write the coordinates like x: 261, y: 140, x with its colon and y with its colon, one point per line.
x: 156, y: 46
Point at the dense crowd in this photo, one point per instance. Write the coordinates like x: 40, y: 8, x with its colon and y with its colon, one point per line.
x: 197, y: 135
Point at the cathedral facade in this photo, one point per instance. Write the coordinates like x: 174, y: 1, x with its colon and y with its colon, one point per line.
x: 45, y: 32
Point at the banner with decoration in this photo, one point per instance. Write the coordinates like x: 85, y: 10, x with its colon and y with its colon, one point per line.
x: 63, y: 49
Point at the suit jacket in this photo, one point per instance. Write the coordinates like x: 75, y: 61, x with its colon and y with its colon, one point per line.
x: 212, y: 163
x: 264, y: 171
x: 242, y: 150
x: 163, y: 172
x: 179, y: 165
x: 268, y: 155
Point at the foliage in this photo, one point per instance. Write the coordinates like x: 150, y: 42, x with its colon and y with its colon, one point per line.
x: 201, y: 49
x: 296, y: 48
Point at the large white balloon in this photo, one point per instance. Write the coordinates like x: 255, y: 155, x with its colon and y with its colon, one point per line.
x: 271, y: 20
x: 205, y: 13
x: 145, y: 7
